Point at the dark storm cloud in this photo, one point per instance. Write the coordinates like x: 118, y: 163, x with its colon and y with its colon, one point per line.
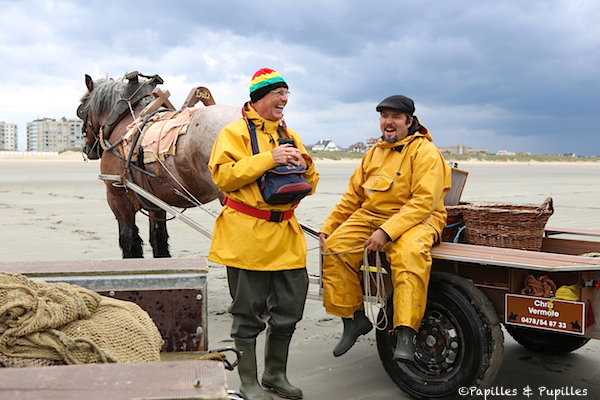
x: 514, y: 75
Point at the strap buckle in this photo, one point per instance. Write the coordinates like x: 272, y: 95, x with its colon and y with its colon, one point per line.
x: 276, y: 216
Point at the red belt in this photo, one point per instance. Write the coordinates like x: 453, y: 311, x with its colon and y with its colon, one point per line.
x: 273, y: 216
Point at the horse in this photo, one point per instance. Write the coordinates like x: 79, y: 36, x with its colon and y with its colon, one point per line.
x: 181, y: 180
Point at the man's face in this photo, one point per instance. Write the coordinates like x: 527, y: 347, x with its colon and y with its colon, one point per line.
x: 394, y: 125
x: 270, y: 107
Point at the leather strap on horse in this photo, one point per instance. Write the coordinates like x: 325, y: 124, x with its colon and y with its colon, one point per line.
x: 273, y: 216
x: 133, y: 94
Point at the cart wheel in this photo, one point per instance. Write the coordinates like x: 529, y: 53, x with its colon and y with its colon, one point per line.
x: 545, y: 342
x: 459, y: 343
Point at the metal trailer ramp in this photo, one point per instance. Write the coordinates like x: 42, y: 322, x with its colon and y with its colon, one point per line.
x: 171, y: 291
x: 157, y: 381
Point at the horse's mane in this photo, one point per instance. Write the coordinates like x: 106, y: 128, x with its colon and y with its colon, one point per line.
x: 104, y: 96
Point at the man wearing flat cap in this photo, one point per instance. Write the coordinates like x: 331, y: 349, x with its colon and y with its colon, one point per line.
x: 394, y: 202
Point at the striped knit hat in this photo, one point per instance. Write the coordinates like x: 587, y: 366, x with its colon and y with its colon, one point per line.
x: 263, y: 81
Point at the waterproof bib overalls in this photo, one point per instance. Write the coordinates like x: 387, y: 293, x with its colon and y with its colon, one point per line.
x: 400, y: 188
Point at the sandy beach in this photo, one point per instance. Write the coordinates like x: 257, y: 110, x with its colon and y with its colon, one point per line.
x: 55, y: 209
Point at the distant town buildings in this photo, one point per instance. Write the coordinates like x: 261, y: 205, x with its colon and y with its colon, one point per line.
x: 358, y: 147
x: 8, y: 136
x: 48, y: 134
x: 371, y: 141
x: 325, y: 145
x: 461, y: 149
x: 505, y: 153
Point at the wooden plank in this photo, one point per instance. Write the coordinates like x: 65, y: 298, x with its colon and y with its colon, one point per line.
x: 483, y: 255
x: 158, y: 380
x: 101, y: 267
x: 567, y: 246
x: 570, y: 231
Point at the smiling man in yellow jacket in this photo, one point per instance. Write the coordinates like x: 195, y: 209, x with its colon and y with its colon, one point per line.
x: 394, y: 202
x: 261, y: 244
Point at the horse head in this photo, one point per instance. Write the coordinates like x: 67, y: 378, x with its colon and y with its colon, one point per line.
x: 94, y: 109
x: 106, y: 103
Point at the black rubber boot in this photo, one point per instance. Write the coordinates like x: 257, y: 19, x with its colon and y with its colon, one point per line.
x: 249, y: 386
x: 275, y: 377
x: 405, y: 351
x: 353, y: 328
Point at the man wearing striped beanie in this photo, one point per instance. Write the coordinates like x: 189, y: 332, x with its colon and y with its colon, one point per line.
x: 263, y: 81
x: 262, y: 244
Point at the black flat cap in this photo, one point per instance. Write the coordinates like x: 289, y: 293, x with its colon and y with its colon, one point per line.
x: 397, y: 103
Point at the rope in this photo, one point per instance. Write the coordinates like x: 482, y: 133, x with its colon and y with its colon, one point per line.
x: 82, y: 344
x: 592, y: 254
x: 188, y: 195
x: 377, y: 301
x: 458, y: 233
x: 213, y: 357
x: 219, y: 355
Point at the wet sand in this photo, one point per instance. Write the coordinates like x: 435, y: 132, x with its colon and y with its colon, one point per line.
x: 55, y: 209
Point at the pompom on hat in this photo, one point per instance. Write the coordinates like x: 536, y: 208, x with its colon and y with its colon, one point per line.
x: 397, y: 103
x: 263, y: 81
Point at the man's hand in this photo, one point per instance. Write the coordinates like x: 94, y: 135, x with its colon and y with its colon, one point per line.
x: 322, y: 238
x: 287, y: 155
x: 377, y: 240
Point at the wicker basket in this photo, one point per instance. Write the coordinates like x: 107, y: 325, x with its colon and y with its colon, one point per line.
x: 454, y: 222
x: 509, y: 226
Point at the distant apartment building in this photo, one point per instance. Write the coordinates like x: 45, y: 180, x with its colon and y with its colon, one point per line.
x: 461, y: 149
x: 48, y: 134
x: 8, y: 136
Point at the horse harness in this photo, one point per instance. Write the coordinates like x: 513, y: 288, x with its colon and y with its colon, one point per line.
x: 134, y: 93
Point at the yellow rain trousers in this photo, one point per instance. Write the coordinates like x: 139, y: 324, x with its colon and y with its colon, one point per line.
x: 399, y: 188
x: 240, y: 240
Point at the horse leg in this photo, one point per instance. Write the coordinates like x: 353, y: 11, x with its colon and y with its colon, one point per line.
x: 159, y: 237
x: 124, y: 210
x: 129, y: 239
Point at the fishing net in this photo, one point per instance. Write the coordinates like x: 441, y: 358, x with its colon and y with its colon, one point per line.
x: 58, y: 323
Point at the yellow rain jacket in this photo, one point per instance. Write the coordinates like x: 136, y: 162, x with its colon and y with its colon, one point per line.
x: 407, y: 186
x: 240, y: 240
x: 400, y: 188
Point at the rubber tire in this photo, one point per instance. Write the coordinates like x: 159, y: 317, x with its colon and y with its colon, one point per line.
x: 542, y: 341
x: 463, y: 312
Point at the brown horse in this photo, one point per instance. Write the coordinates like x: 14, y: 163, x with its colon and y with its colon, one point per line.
x: 181, y: 180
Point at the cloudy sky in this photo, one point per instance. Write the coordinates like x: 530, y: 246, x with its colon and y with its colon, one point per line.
x: 516, y: 75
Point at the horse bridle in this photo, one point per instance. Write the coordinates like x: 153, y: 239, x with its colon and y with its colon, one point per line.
x: 129, y: 98
x: 87, y: 123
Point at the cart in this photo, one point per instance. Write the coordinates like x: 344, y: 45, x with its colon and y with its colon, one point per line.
x: 473, y: 291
